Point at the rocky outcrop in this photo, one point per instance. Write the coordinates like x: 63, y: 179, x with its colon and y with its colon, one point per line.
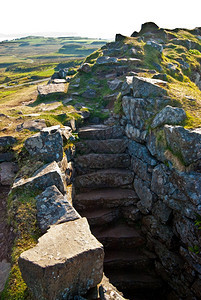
x: 48, y: 144
x: 46, y: 176
x: 169, y: 115
x: 66, y: 262
x: 53, y: 208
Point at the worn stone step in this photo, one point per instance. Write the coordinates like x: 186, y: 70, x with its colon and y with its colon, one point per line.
x: 124, y: 258
x: 102, y: 161
x: 102, y: 146
x: 101, y: 216
x: 101, y: 132
x: 119, y: 236
x: 131, y: 280
x: 107, y: 197
x: 108, y: 178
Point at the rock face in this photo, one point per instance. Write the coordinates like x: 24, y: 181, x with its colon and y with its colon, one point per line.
x: 48, y: 144
x: 53, y: 208
x: 169, y: 115
x: 7, y: 142
x: 46, y: 176
x: 66, y: 262
x: 146, y: 87
x: 186, y: 142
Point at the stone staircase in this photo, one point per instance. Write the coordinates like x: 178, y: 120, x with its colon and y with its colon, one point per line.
x: 104, y: 190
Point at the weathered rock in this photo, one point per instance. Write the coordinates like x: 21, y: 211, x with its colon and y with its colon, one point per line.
x: 188, y: 185
x: 89, y: 93
x: 32, y: 125
x: 114, y: 84
x: 135, y: 134
x: 141, y: 169
x: 46, y: 145
x: 66, y: 262
x: 169, y: 115
x: 156, y: 144
x: 157, y: 230
x: 7, y: 156
x: 160, y: 183
x: 102, y: 161
x: 7, y: 142
x: 48, y: 175
x: 141, y: 152
x: 105, y: 60
x: 161, y: 212
x: 127, y: 86
x: 105, y: 178
x: 44, y: 90
x: 155, y: 45
x: 58, y: 81
x: 86, y: 68
x: 53, y: 208
x: 101, y: 132
x: 8, y: 172
x: 144, y: 193
x: 137, y: 110
x: 147, y: 87
x: 102, y: 146
x: 187, y: 231
x: 185, y: 142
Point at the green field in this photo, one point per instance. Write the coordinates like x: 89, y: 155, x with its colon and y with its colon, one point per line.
x: 34, y: 58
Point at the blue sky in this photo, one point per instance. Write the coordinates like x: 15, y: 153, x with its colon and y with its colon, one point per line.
x: 92, y: 18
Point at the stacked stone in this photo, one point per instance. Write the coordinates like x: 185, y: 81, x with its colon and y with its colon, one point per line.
x: 166, y: 161
x: 68, y: 260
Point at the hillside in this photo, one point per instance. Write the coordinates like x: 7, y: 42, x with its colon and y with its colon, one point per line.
x: 124, y: 151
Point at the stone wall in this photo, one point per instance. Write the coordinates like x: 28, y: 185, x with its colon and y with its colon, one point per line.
x: 166, y: 160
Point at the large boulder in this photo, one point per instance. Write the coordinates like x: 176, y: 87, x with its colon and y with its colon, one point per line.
x: 66, y: 262
x: 169, y: 115
x: 147, y: 87
x: 48, y: 144
x: 53, y: 208
x: 48, y: 175
x: 185, y: 143
x: 106, y: 60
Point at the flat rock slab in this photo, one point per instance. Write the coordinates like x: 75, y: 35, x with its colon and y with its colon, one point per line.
x: 44, y: 90
x: 105, y: 198
x: 32, y: 125
x: 5, y: 268
x: 102, y: 146
x: 102, y: 161
x: 105, y: 178
x: 54, y: 208
x: 147, y: 87
x: 100, y: 132
x: 67, y: 261
x: 48, y: 175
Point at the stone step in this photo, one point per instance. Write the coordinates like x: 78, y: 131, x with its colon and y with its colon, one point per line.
x: 101, y: 161
x: 131, y: 280
x: 107, y: 197
x: 102, y: 146
x: 119, y: 236
x: 101, y: 132
x: 108, y: 178
x: 101, y: 217
x: 124, y: 258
